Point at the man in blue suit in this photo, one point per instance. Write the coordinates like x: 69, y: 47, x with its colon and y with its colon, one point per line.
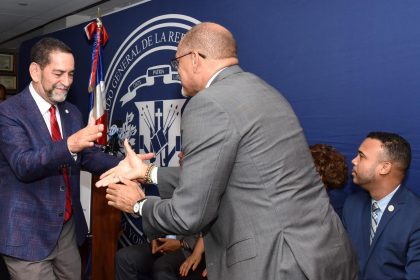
x: 384, y: 222
x: 43, y: 147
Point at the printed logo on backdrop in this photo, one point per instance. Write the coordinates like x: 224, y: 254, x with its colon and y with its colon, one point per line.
x: 143, y: 98
x: 143, y: 93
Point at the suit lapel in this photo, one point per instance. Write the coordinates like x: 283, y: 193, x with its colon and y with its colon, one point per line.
x: 32, y: 111
x: 365, y: 235
x: 65, y: 116
x: 394, y: 205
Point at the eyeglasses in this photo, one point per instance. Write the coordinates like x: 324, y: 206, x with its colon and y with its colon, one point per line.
x: 175, y: 61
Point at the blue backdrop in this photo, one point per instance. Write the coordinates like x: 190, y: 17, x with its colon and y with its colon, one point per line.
x: 346, y: 67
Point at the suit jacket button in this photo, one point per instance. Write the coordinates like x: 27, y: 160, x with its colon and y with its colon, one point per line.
x: 60, y: 214
x: 62, y: 188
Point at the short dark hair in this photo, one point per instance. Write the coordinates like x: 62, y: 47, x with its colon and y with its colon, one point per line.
x: 331, y: 165
x: 396, y: 147
x: 40, y: 52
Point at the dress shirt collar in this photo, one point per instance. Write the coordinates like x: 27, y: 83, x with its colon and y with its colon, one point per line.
x: 44, y: 108
x: 214, y: 76
x: 383, y: 203
x: 43, y: 105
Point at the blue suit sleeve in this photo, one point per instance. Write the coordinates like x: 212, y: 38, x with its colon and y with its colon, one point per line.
x: 413, y: 255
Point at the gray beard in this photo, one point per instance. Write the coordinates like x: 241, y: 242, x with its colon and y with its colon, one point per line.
x: 56, y: 98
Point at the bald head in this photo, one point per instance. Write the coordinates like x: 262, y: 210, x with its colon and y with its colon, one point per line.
x: 203, y: 51
x: 212, y: 39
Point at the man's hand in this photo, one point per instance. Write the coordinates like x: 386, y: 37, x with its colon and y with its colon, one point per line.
x: 194, y: 259
x: 190, y: 263
x: 84, y: 138
x: 165, y: 245
x: 124, y: 196
x: 131, y: 167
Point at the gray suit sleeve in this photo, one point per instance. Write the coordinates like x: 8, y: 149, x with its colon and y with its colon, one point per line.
x: 210, y: 144
x: 168, y: 180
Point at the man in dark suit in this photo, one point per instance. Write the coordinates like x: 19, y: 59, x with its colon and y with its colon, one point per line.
x: 163, y: 258
x: 4, y: 274
x: 2, y: 93
x: 383, y: 221
x: 248, y: 181
x: 43, y: 147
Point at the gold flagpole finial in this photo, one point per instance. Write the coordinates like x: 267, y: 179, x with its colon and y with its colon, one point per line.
x: 98, y: 19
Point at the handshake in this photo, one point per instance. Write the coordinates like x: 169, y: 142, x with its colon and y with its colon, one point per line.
x: 123, y: 180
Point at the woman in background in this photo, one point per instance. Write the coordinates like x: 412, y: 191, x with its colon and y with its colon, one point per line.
x: 332, y: 167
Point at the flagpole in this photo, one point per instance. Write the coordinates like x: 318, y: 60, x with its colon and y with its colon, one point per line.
x: 95, y: 32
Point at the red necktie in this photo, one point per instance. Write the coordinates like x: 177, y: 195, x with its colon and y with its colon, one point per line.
x: 56, y: 136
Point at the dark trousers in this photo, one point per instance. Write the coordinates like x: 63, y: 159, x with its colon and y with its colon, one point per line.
x: 137, y: 262
x: 4, y: 273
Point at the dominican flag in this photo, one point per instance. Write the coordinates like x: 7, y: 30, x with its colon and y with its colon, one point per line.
x: 96, y: 31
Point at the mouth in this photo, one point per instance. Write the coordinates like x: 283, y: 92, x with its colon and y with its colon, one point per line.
x: 61, y: 88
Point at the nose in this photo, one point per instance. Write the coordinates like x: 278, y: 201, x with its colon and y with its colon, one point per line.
x: 354, y: 161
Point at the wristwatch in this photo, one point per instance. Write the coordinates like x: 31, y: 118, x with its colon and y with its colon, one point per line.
x: 137, y: 206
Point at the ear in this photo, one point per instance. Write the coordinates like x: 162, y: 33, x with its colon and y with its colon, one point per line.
x: 386, y: 168
x: 35, y: 72
x: 195, y: 61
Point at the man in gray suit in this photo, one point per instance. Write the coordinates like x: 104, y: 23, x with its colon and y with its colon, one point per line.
x: 248, y: 181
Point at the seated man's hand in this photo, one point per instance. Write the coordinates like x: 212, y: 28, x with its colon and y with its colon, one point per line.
x: 123, y: 196
x: 165, y: 245
x: 194, y: 259
x: 190, y: 263
x: 131, y: 167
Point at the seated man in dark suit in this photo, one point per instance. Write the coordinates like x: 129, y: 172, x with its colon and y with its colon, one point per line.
x: 162, y: 259
x: 332, y: 167
x: 384, y: 222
